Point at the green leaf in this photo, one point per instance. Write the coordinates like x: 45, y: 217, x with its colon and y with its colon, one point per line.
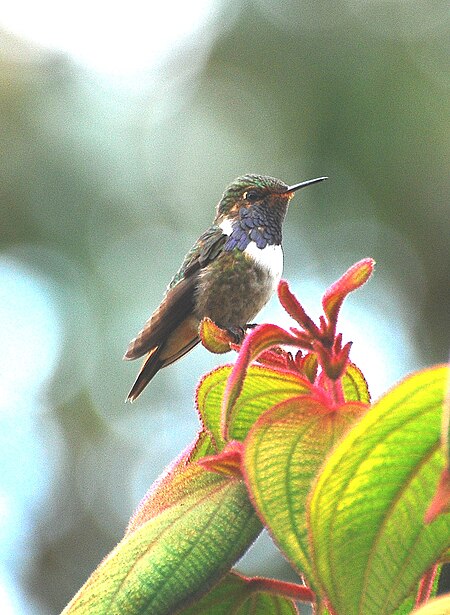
x: 262, y: 388
x: 214, y: 338
x: 283, y: 452
x: 234, y: 594
x: 202, y: 447
x: 408, y: 605
x: 368, y: 536
x: 441, y: 499
x: 262, y: 338
x: 178, y: 554
x: 354, y: 385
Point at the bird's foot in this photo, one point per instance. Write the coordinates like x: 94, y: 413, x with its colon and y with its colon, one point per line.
x: 237, y: 334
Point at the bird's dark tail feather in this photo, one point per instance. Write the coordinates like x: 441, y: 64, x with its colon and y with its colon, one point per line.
x: 151, y: 366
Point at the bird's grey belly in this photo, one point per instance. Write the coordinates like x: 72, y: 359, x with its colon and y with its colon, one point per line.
x: 233, y: 289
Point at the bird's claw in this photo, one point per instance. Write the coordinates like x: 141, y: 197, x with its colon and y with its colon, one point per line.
x: 236, y: 333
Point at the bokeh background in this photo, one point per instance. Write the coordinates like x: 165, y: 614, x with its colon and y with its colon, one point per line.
x: 120, y: 126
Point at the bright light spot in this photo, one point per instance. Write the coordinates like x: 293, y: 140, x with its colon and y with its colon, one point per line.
x: 28, y: 336
x: 5, y: 509
x: 30, y: 450
x: 8, y: 602
x: 111, y: 37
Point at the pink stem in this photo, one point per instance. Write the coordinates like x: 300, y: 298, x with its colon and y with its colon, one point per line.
x: 333, y: 389
x: 282, y: 588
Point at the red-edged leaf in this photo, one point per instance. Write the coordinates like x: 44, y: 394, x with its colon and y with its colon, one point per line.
x: 367, y: 506
x: 263, y: 387
x: 295, y: 309
x: 352, y: 279
x: 354, y: 385
x: 239, y: 595
x: 283, y: 453
x: 441, y: 499
x: 168, y: 488
x: 214, y: 338
x: 178, y: 554
x: 227, y: 462
x: 259, y: 339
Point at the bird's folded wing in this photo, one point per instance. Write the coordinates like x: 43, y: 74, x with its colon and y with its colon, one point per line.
x: 179, y: 300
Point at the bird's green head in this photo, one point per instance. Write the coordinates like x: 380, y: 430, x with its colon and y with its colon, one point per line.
x: 251, y: 190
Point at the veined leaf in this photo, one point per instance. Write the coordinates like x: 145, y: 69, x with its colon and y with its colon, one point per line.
x: 262, y: 338
x: 214, y: 338
x: 262, y: 388
x: 368, y: 536
x: 354, y: 385
x: 201, y: 447
x: 283, y: 452
x: 178, y: 554
x: 234, y: 594
x: 171, y: 486
x: 407, y: 605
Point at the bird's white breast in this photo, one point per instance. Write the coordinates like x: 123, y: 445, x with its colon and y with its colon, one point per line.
x: 270, y: 257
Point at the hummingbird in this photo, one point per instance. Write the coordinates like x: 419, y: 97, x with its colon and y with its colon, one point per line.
x: 228, y: 275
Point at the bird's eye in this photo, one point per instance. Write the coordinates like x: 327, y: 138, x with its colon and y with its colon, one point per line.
x: 251, y: 195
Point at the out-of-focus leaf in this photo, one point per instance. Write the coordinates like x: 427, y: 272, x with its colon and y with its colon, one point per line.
x: 368, y: 537
x: 178, y: 554
x: 262, y: 389
x: 439, y: 606
x: 283, y: 452
x: 235, y: 595
x: 441, y: 499
x: 408, y: 604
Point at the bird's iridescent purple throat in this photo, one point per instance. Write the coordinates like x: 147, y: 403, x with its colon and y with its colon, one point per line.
x: 228, y: 275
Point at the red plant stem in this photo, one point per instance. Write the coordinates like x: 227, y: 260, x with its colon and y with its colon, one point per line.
x: 333, y: 388
x: 337, y: 391
x: 281, y: 588
x: 294, y: 308
x: 425, y: 586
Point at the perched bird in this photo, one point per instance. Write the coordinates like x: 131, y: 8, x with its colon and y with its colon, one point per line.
x: 229, y: 274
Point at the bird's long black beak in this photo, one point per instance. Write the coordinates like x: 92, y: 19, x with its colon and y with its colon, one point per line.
x: 306, y: 183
